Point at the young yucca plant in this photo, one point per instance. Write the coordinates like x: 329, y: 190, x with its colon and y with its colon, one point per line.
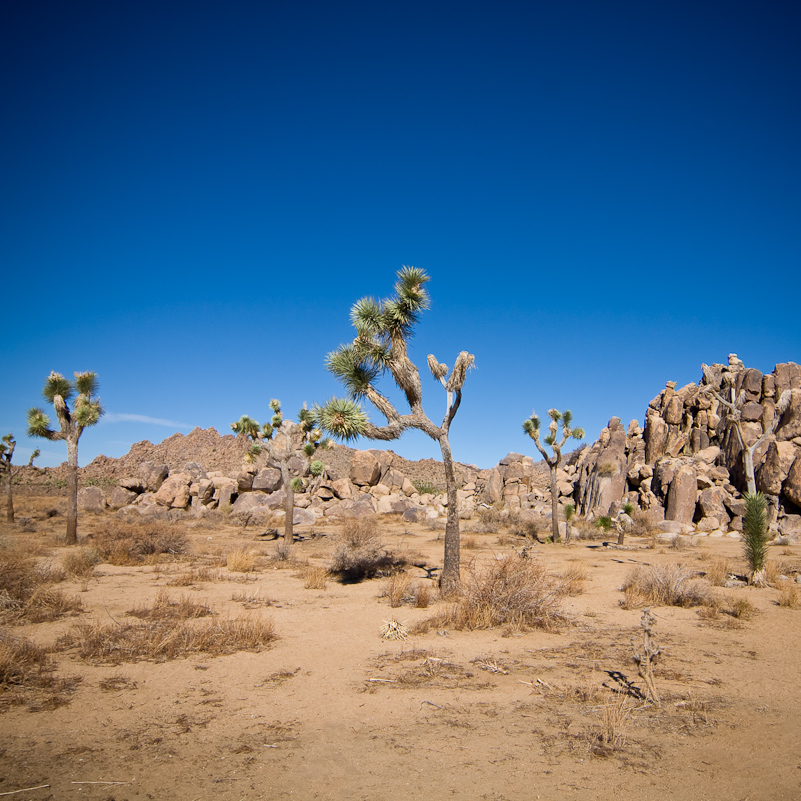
x: 755, y: 536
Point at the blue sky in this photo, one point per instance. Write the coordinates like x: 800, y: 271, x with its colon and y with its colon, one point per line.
x: 605, y: 195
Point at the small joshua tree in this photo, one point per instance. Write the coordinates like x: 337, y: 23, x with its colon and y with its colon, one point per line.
x: 755, y: 536
x: 6, y: 452
x: 532, y: 428
x: 383, y: 329
x: 34, y: 456
x: 285, y: 441
x: 85, y: 412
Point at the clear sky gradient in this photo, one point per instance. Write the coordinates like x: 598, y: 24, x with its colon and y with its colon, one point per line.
x: 605, y: 195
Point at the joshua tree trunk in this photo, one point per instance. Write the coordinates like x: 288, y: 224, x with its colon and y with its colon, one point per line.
x: 9, y: 497
x: 289, y: 502
x: 72, y: 492
x: 450, y: 569
x: 554, y: 505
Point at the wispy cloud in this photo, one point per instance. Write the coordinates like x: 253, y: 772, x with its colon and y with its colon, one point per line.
x: 112, y: 417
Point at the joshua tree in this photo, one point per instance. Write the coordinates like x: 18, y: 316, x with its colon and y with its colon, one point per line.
x: 383, y: 329
x: 755, y: 536
x: 532, y: 428
x: 734, y: 405
x: 85, y: 412
x: 286, y: 441
x: 6, y: 452
x: 34, y: 456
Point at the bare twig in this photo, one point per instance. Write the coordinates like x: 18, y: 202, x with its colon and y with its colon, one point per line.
x: 25, y: 789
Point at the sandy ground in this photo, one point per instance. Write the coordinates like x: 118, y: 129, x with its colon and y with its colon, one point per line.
x: 333, y: 711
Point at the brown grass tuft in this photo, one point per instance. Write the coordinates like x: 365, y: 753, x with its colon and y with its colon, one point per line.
x: 396, y: 588
x: 80, y: 563
x: 718, y: 571
x: 664, y: 585
x: 359, y: 553
x: 167, y: 639
x: 242, y: 560
x: 315, y: 578
x: 131, y: 543
x: 573, y: 578
x: 510, y: 592
x: 166, y: 608
x: 789, y: 596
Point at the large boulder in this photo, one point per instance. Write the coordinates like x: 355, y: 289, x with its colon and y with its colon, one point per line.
x: 776, y: 467
x: 711, y: 505
x: 153, y: 475
x: 493, y: 489
x: 365, y: 469
x: 792, y: 484
x: 174, y: 492
x: 267, y: 480
x: 119, y: 497
x: 681, y: 495
x: 91, y: 499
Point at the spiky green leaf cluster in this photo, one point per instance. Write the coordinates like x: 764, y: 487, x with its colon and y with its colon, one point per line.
x: 275, y: 405
x: 86, y: 383
x: 39, y: 424
x: 309, y: 448
x: 56, y: 384
x: 316, y: 467
x: 379, y: 325
x: 296, y: 484
x: 342, y: 418
x: 86, y: 412
x: 755, y: 530
x: 246, y: 426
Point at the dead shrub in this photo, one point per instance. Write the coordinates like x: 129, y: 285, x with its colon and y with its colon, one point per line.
x: 533, y: 528
x: 316, y: 578
x: 167, y: 639
x: 470, y: 543
x: 359, y: 553
x: 718, y: 571
x: 193, y: 576
x: 664, y: 585
x: 612, y: 731
x: 396, y: 588
x: 20, y: 660
x: 166, y: 608
x: 573, y: 578
x: 242, y: 560
x: 739, y: 607
x: 131, y: 543
x: 422, y: 595
x: 26, y: 592
x: 359, y: 532
x: 81, y: 563
x: 509, y: 591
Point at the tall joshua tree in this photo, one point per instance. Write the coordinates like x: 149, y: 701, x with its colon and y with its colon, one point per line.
x: 6, y: 452
x: 85, y: 412
x: 383, y: 329
x: 532, y: 428
x: 286, y: 442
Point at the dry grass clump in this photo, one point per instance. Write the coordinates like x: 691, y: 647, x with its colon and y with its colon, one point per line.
x: 315, y: 578
x: 359, y: 553
x: 611, y: 734
x: 242, y: 560
x: 573, y: 578
x: 396, y: 588
x: 422, y: 595
x: 166, y: 608
x: 26, y: 592
x: 490, y: 519
x: 194, y: 576
x: 664, y: 585
x: 131, y: 543
x: 509, y: 591
x: 80, y: 563
x: 167, y: 639
x: 718, y: 571
x: 20, y: 660
x: 789, y: 595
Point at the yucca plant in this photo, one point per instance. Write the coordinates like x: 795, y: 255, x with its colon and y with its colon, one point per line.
x: 556, y: 443
x: 383, y: 329
x: 86, y: 411
x: 284, y: 441
x: 6, y: 453
x: 755, y: 536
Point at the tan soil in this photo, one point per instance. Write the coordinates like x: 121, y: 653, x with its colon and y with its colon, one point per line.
x: 332, y: 711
